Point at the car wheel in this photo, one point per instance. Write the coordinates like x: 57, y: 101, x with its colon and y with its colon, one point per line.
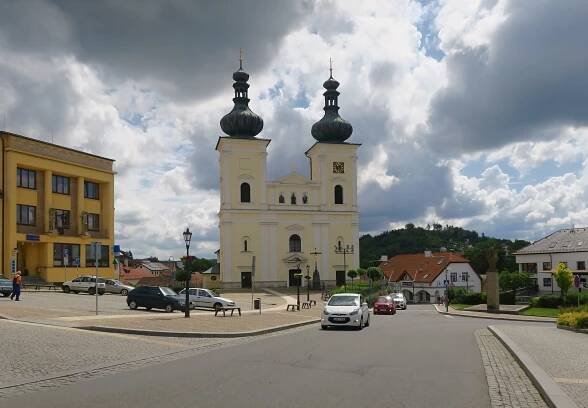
x: 91, y: 291
x: 100, y: 292
x: 324, y: 327
x: 66, y: 289
x: 124, y: 292
x: 367, y: 323
x: 148, y: 308
x: 217, y: 306
x: 360, y: 324
x: 169, y: 308
x: 133, y: 305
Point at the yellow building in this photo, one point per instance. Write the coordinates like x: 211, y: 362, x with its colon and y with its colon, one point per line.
x: 55, y: 203
x: 293, y: 225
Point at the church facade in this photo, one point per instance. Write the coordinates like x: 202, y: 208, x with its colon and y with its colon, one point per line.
x: 283, y: 232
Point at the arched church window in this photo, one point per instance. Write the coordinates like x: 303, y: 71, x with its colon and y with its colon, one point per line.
x: 293, y: 199
x: 295, y: 243
x: 245, y: 193
x: 281, y: 199
x: 304, y: 199
x: 338, y: 194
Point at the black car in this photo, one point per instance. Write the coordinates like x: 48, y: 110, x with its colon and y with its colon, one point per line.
x: 5, y: 287
x: 155, y: 297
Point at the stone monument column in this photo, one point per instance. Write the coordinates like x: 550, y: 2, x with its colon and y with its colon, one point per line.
x: 493, y: 298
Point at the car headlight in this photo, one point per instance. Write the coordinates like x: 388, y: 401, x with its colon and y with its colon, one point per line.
x: 325, y: 312
x: 354, y: 312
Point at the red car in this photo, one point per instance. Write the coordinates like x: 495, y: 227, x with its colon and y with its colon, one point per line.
x: 384, y: 305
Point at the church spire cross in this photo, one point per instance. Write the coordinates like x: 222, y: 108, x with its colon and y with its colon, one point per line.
x: 330, y: 68
x: 240, y: 59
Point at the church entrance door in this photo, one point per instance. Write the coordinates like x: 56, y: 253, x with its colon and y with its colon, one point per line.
x: 340, y: 278
x: 293, y: 280
x: 245, y: 279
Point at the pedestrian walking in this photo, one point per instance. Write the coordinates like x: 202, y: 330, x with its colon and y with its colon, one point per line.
x: 16, y: 282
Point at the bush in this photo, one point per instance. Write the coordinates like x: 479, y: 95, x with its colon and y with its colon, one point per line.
x: 577, y: 319
x: 572, y: 298
x: 549, y: 301
x: 453, y: 293
x: 507, y: 298
x: 470, y: 298
x: 535, y: 301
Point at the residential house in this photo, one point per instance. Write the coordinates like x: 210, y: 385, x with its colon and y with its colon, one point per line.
x: 540, y: 259
x: 421, y: 277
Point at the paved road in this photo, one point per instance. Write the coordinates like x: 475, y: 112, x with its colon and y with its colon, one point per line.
x: 417, y: 358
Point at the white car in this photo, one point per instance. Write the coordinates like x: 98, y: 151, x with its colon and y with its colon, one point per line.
x: 84, y: 284
x: 206, y: 298
x: 346, y: 309
x: 399, y: 300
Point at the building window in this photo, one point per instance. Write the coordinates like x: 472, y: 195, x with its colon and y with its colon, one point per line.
x: 61, y: 219
x: 453, y: 276
x: 295, y: 243
x: 61, y: 184
x: 26, y: 178
x: 59, y: 252
x: 547, y: 282
x: 93, y: 222
x: 293, y: 199
x: 281, y: 199
x: 26, y: 214
x: 546, y: 266
x: 464, y: 277
x: 91, y: 190
x: 581, y: 266
x: 245, y: 193
x: 91, y: 256
x: 245, y: 245
x: 338, y: 194
x: 304, y: 199
x: 529, y: 267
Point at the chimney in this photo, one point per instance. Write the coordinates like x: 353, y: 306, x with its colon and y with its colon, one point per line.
x: 428, y: 254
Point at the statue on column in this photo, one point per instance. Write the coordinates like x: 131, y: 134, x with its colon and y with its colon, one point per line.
x: 493, y: 297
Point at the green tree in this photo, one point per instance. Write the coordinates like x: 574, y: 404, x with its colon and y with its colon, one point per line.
x: 361, y: 272
x: 352, y: 273
x: 564, y: 278
x: 512, y: 281
x: 374, y: 273
x: 191, y: 265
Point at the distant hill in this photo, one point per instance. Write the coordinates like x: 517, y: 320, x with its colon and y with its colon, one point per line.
x: 412, y: 239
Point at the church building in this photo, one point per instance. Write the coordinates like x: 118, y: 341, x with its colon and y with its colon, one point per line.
x: 283, y: 232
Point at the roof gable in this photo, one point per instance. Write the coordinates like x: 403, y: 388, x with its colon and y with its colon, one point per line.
x: 418, y: 267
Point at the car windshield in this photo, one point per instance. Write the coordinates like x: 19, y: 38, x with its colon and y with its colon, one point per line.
x: 167, y: 291
x: 343, y: 301
x: 5, y: 282
x: 114, y: 282
x: 383, y: 299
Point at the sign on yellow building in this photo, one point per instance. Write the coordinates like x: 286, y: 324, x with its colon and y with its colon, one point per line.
x: 55, y: 202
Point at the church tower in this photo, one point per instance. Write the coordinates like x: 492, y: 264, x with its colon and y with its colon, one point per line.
x: 242, y: 164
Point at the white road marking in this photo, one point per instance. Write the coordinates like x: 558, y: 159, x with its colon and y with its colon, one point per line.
x: 449, y: 317
x: 571, y: 380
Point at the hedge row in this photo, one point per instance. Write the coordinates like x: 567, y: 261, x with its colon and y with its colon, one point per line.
x: 577, y: 319
x: 557, y: 301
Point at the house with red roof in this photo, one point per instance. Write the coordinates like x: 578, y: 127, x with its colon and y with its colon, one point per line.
x: 422, y: 277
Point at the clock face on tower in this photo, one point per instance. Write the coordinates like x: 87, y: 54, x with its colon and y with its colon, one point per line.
x: 338, y: 167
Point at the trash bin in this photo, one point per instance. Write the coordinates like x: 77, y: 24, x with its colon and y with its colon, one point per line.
x: 257, y: 304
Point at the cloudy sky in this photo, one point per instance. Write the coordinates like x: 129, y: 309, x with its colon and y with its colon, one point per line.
x: 470, y: 112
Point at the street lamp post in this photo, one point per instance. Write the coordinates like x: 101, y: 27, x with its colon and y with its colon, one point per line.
x: 344, y: 249
x: 187, y: 238
x: 467, y: 282
x: 446, y: 292
x: 307, y: 277
x: 299, y: 278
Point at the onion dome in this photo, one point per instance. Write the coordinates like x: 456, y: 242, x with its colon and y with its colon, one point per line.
x: 331, y: 128
x: 241, y: 121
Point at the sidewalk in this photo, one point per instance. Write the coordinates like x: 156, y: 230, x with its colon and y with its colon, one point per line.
x: 496, y: 316
x: 556, y: 360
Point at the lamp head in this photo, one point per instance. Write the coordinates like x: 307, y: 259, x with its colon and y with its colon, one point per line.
x: 187, y: 236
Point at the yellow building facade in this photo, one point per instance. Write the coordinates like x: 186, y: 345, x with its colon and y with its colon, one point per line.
x: 294, y: 225
x: 55, y: 203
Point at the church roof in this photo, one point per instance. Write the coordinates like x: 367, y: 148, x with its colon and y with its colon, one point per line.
x: 419, y: 267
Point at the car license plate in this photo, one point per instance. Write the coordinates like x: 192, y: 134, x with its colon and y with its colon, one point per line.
x: 338, y: 319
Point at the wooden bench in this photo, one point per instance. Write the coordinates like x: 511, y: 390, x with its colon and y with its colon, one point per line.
x: 39, y: 286
x: 292, y: 307
x: 312, y: 302
x: 306, y: 305
x: 226, y: 309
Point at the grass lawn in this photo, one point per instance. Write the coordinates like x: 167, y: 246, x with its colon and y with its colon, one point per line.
x: 459, y: 306
x: 541, y: 311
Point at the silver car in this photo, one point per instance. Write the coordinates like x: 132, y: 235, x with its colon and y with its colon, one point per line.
x: 206, y: 298
x: 116, y: 286
x: 399, y: 300
x: 83, y: 284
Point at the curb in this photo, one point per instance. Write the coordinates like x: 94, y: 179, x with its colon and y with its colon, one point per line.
x: 497, y: 316
x: 547, y: 387
x: 167, y: 333
x: 573, y: 329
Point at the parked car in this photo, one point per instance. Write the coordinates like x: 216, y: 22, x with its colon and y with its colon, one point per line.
x: 206, y: 298
x: 116, y: 286
x: 5, y: 287
x: 346, y: 309
x: 399, y: 300
x: 384, y: 305
x: 155, y: 297
x: 84, y: 284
